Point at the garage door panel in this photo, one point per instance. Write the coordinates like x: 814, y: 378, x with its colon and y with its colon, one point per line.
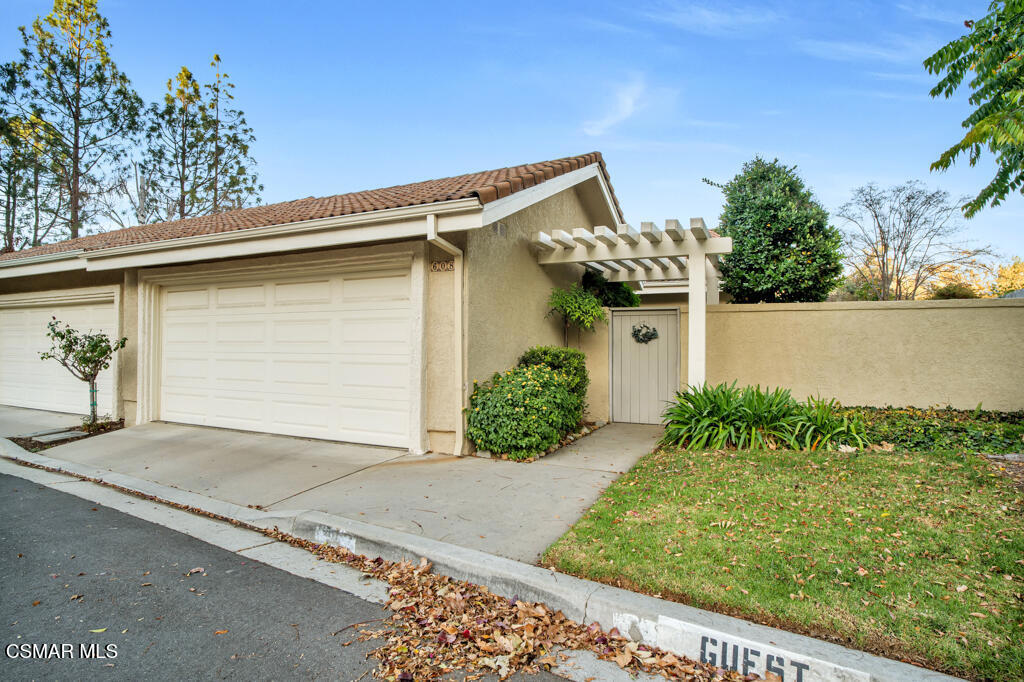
x: 239, y: 373
x: 322, y: 356
x: 247, y: 296
x: 185, y: 370
x: 302, y: 417
x: 187, y: 299
x: 375, y: 289
x: 294, y: 375
x: 246, y: 333
x: 28, y: 381
x: 190, y: 333
x: 290, y: 330
x: 386, y: 375
x: 184, y: 406
x: 290, y: 294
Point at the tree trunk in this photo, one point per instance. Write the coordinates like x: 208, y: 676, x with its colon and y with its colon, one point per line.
x: 92, y: 401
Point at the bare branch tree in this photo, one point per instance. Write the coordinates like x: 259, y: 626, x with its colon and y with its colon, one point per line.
x: 902, y: 237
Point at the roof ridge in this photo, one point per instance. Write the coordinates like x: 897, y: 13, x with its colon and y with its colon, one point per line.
x: 486, y: 186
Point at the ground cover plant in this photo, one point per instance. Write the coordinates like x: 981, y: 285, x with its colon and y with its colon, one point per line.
x: 727, y: 416
x: 913, y: 555
x: 965, y: 430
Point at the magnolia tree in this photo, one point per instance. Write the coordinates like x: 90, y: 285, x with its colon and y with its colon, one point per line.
x: 85, y: 355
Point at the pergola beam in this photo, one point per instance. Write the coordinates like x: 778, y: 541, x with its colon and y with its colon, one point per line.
x: 663, y: 249
x: 651, y: 232
x: 606, y: 235
x: 584, y: 237
x: 674, y: 230
x: 645, y: 275
x: 628, y: 234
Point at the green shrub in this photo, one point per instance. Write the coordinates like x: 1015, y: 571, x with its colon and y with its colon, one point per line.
x: 569, y: 361
x: 522, y: 412
x: 911, y: 428
x: 610, y: 294
x: 725, y: 416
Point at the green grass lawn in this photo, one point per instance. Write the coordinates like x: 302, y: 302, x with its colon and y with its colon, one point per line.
x: 916, y: 556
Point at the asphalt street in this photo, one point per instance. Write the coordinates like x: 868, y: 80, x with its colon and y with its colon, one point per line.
x: 96, y: 582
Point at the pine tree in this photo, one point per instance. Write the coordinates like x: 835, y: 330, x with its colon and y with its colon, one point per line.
x: 67, y: 79
x: 179, y: 154
x: 235, y: 183
x: 784, y: 249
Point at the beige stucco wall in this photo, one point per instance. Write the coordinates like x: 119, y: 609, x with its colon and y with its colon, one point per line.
x: 595, y: 345
x: 918, y: 353
x: 128, y: 357
x: 908, y: 353
x: 507, y: 291
x: 442, y: 409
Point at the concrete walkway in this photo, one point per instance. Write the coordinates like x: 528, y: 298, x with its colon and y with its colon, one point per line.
x: 513, y: 510
x: 18, y: 421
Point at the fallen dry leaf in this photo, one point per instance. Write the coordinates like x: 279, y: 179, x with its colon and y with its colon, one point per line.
x: 440, y: 625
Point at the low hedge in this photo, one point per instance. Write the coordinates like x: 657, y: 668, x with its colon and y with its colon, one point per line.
x: 522, y: 412
x: 569, y: 361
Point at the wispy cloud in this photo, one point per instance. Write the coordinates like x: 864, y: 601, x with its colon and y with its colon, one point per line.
x: 713, y: 19
x: 883, y: 94
x: 626, y: 101
x: 897, y: 50
x: 607, y: 26
x: 929, y: 12
x: 903, y: 77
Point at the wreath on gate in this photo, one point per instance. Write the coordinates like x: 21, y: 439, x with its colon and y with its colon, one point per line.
x: 644, y: 334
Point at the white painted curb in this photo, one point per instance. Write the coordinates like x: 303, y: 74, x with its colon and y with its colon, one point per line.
x: 724, y: 641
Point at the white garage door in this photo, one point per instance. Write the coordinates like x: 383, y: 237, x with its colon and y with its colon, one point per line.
x: 322, y: 357
x: 27, y: 381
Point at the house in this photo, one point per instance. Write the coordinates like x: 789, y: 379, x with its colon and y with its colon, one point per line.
x: 361, y: 317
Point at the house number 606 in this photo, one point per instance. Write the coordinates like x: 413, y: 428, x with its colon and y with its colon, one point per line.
x: 442, y: 266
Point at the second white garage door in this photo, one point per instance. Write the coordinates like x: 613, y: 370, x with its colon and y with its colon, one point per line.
x: 27, y: 381
x: 322, y: 357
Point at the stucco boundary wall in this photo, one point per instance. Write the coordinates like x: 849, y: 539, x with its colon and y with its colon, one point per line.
x: 959, y: 353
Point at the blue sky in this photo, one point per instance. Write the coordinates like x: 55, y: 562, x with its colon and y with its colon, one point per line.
x: 346, y: 96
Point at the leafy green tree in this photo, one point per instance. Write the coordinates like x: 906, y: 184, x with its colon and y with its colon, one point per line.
x: 84, y: 354
x: 784, y: 249
x: 990, y: 58
x: 234, y: 182
x: 577, y: 307
x: 610, y: 294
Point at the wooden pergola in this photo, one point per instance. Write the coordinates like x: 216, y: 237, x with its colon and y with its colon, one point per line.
x: 686, y: 256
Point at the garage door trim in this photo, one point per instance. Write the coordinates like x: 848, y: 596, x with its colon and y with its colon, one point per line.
x: 110, y: 293
x: 152, y: 282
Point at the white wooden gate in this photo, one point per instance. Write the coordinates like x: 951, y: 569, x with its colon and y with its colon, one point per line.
x: 644, y: 376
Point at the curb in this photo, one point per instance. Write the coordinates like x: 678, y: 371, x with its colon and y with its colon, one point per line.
x: 710, y: 637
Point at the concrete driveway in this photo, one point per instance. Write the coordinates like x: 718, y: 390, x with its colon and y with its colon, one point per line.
x: 513, y: 510
x: 18, y: 421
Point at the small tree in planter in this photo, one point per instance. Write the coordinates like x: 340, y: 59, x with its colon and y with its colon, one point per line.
x: 578, y: 308
x: 85, y: 355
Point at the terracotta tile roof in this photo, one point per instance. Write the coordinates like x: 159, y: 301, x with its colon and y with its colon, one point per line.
x: 487, y: 186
